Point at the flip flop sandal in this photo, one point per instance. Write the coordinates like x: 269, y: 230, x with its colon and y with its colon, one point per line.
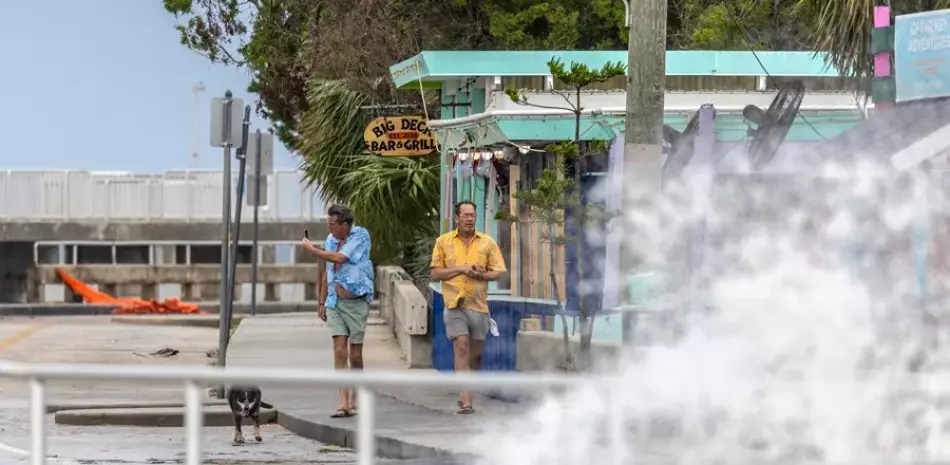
x: 353, y: 412
x: 465, y: 409
x: 341, y: 413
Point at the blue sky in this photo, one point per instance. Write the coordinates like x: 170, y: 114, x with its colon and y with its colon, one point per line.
x: 105, y: 85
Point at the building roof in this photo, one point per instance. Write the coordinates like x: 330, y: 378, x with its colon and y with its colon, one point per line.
x: 431, y: 67
x: 902, y: 136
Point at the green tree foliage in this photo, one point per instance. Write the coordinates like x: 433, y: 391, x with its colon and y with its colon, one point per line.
x: 314, y: 63
x: 285, y: 43
x: 737, y: 25
x: 843, y: 28
x: 395, y: 198
x: 556, y: 24
x: 840, y: 27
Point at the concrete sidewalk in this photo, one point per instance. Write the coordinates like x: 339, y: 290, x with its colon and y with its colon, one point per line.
x: 411, y: 423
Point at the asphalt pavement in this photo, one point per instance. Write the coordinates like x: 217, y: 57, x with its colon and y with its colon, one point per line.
x: 98, y: 340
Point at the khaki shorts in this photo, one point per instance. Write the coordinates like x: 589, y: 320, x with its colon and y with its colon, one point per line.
x: 462, y: 322
x: 349, y: 319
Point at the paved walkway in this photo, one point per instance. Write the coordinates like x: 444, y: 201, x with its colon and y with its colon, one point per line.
x: 95, y: 339
x: 411, y: 423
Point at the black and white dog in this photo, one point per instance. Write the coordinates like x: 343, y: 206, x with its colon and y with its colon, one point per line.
x: 245, y: 401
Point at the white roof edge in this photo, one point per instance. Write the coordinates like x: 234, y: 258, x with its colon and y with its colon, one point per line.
x: 540, y: 112
x: 926, y: 147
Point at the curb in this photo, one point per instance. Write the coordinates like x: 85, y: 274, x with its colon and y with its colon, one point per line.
x: 152, y: 417
x: 201, y: 321
x: 53, y: 407
x: 344, y: 436
x: 73, y: 309
x: 55, y: 310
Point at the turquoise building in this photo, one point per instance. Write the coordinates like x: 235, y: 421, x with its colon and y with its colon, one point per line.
x: 492, y: 146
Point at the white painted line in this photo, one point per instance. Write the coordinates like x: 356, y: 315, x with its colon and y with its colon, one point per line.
x: 25, y: 453
x: 926, y: 147
x: 14, y: 450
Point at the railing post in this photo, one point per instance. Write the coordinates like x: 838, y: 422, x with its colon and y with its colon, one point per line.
x: 366, y: 432
x: 37, y: 422
x: 194, y: 421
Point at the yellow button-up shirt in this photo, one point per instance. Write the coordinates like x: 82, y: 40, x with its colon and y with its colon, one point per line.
x: 450, y: 250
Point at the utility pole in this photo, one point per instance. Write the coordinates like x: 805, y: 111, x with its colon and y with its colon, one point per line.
x: 643, y: 127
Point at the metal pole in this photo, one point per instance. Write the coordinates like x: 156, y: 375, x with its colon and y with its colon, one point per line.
x: 232, y: 253
x: 226, y: 234
x: 366, y: 426
x: 643, y: 127
x: 257, y: 202
x: 194, y: 421
x: 37, y: 422
x: 242, y: 161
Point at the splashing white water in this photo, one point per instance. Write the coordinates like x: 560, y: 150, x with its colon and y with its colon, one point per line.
x: 804, y: 357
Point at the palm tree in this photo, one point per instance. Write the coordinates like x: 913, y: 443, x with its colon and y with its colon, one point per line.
x: 843, y: 28
x: 396, y: 198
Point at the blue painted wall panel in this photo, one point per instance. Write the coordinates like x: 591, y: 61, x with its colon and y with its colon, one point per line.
x: 442, y: 355
x: 593, y: 259
x: 500, y: 352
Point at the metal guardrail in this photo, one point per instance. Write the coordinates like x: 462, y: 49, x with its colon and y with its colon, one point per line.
x: 190, y: 195
x: 38, y: 374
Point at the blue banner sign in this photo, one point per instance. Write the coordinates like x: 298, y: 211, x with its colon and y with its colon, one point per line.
x: 922, y: 55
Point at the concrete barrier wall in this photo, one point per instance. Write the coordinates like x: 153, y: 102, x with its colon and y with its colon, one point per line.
x: 543, y: 351
x: 192, y: 283
x: 405, y: 310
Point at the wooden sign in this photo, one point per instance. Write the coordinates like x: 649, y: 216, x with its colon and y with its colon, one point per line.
x: 400, y: 136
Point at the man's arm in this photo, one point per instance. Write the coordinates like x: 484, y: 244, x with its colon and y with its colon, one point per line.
x: 356, y: 246
x: 496, y: 265
x: 438, y: 271
x: 445, y: 274
x: 335, y: 257
x: 322, y: 291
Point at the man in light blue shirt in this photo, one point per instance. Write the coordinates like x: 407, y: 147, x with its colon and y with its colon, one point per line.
x: 345, y: 294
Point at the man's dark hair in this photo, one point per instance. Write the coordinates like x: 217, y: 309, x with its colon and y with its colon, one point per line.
x: 342, y: 213
x: 458, y: 206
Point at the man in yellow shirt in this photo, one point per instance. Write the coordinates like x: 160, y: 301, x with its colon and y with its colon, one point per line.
x: 465, y: 260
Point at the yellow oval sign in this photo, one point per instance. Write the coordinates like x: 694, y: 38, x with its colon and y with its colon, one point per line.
x: 400, y: 136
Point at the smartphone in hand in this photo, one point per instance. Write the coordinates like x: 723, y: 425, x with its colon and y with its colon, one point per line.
x: 306, y: 234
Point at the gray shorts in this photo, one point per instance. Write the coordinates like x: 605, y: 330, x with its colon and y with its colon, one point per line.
x: 349, y: 319
x: 462, y: 321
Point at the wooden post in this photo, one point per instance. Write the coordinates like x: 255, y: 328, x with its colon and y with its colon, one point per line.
x: 643, y: 128
x: 514, y: 175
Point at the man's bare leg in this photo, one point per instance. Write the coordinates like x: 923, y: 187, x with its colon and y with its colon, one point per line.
x: 475, y: 354
x: 356, y: 363
x: 460, y: 346
x: 340, y: 360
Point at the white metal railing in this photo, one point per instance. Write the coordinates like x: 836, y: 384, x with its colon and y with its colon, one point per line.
x: 188, y: 195
x: 191, y: 376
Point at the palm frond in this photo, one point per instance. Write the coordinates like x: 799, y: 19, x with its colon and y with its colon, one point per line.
x: 331, y: 142
x: 395, y: 198
x: 843, y: 29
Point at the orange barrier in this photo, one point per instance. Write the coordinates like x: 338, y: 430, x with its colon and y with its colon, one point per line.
x: 125, y: 305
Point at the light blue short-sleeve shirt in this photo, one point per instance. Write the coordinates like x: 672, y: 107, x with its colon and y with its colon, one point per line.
x: 356, y: 273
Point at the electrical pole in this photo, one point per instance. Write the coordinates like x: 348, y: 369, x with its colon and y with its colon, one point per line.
x: 643, y: 127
